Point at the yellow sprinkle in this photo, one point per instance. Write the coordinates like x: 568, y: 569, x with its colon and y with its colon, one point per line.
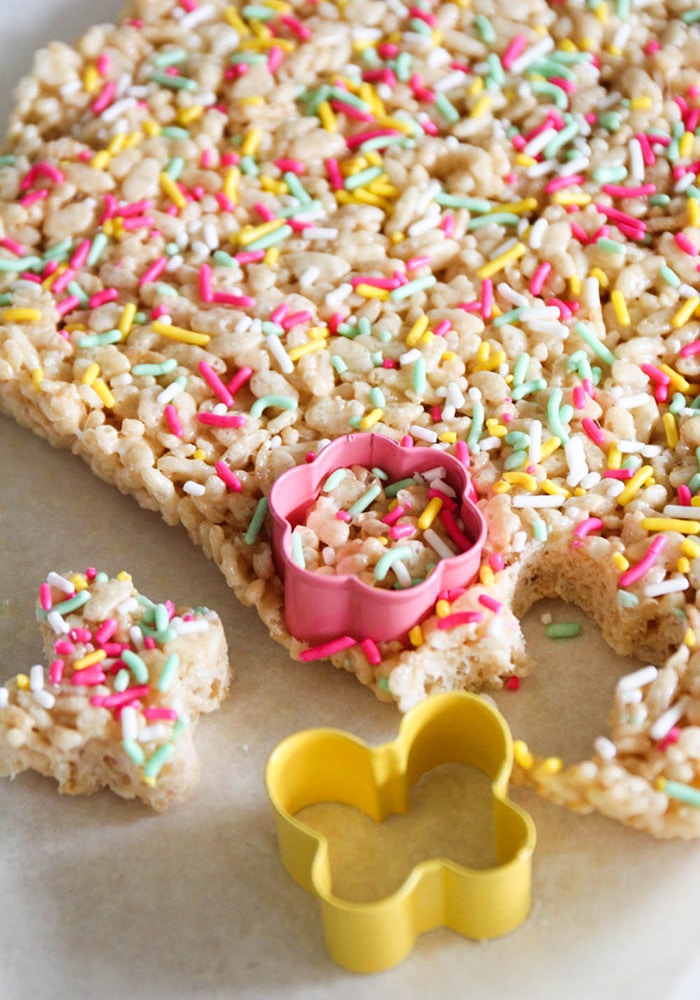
x: 254, y: 101
x: 601, y: 276
x: 517, y: 478
x: 383, y: 188
x: 503, y: 260
x: 21, y: 315
x: 90, y: 373
x: 686, y: 311
x: 549, y: 766
x: 601, y: 12
x: 126, y: 319
x: 501, y: 487
x: 449, y: 437
x: 37, y: 377
x: 132, y: 139
x: 199, y: 454
x: 481, y: 106
x: 327, y: 117
x: 185, y: 116
x: 620, y: 306
x: 171, y: 190
x: 443, y: 609
x: 683, y: 565
x: 181, y: 335
x: 230, y: 185
x: 100, y: 161
x: 417, y: 331
x: 495, y: 428
x: 549, y: 447
x: 634, y: 485
x: 22, y: 682
x: 689, y: 638
x: 642, y: 103
x: 372, y: 292
x: 236, y: 21
x: 553, y: 489
x: 518, y: 207
x: 318, y: 333
x: 685, y: 146
x: 571, y: 198
x: 693, y: 206
x: 397, y: 237
x: 522, y: 754
x: 89, y: 659
x: 262, y: 42
x: 371, y: 418
x: 575, y: 284
x: 271, y: 257
x: 104, y: 392
x: 251, y: 142
x: 619, y: 562
x: 79, y: 581
x: 671, y: 524
x: 150, y: 127
x: 386, y: 121
x: 483, y: 350
x: 497, y: 359
x: 677, y: 381
x: 486, y: 575
x: 108, y: 227
x: 476, y: 86
x: 415, y: 636
x: 615, y: 50
x: 275, y: 186
x: 366, y: 197
x: 448, y: 356
x: 671, y: 429
x: 308, y: 348
x: 48, y: 282
x: 251, y: 233
x: 91, y: 78
x: 123, y: 575
x: 690, y: 548
x: 430, y: 513
x: 523, y: 160
x: 614, y: 457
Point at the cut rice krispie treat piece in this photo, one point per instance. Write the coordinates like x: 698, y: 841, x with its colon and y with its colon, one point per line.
x: 126, y: 682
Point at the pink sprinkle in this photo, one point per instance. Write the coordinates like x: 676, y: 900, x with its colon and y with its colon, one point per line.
x: 237, y: 301
x: 159, y: 712
x: 33, y: 197
x: 225, y: 203
x: 351, y: 112
x: 459, y: 618
x: 462, y: 453
x: 513, y: 684
x: 224, y: 420
x: 371, y: 651
x: 106, y: 630
x: 45, y: 597
x: 89, y: 676
x: 671, y: 737
x: 326, y: 649
x: 207, y: 158
x: 636, y: 572
x: 486, y: 298
x: 81, y: 254
x: 13, y: 246
x: 62, y: 281
x: 394, y: 514
x: 56, y: 671
x: 579, y: 397
x: 539, y: 277
x: 415, y: 262
x: 265, y: 213
x: 275, y: 58
x: 690, y: 349
x: 584, y: 527
x: 442, y: 328
x: 449, y: 522
x: 655, y: 373
x: 120, y: 698
x: 160, y: 310
x: 686, y: 245
x: 135, y: 208
x: 103, y: 297
x: 342, y: 515
x: 80, y: 635
x: 407, y: 441
x: 153, y: 270
x: 173, y: 421
x: 205, y: 283
x: 593, y: 431
x: 239, y: 379
x: 684, y: 495
x: 105, y: 97
x: 249, y: 256
x: 496, y: 562
x: 137, y: 222
x: 490, y: 602
x: 215, y: 383
x: 295, y: 26
x: 188, y: 5
x: 620, y: 191
x: 63, y: 647
x: 149, y: 642
x: 294, y: 319
x: 515, y: 48
x: 228, y: 477
x: 288, y: 165
x: 619, y: 474
x: 41, y: 169
x: 448, y: 223
x: 401, y: 531
x: 366, y: 279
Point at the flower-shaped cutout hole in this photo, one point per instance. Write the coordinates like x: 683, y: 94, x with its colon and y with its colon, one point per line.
x: 330, y: 766
x: 319, y: 608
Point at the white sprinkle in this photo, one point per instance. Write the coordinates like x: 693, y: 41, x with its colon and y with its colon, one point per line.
x: 309, y: 276
x: 195, y: 17
x: 605, y: 748
x: 490, y: 443
x: 423, y: 433
x: 169, y: 393
x: 60, y: 583
x: 320, y: 233
x: 157, y: 733
x: 537, y: 233
x: 189, y: 627
x: 118, y: 381
x: 519, y: 541
x: 432, y: 539
x: 127, y: 607
x: 638, y: 678
x: 194, y: 489
x: 574, y: 166
x: 56, y: 623
x: 673, y: 586
x: 510, y: 295
x: 4, y: 697
x: 450, y: 80
x: 591, y: 293
x: 633, y: 401
x: 337, y: 297
x: 681, y: 510
x: 279, y: 353
x: 176, y: 260
x: 662, y: 726
x: 36, y: 677
x: 44, y: 698
x: 547, y: 500
x: 542, y: 168
x: 70, y: 88
x: 112, y: 112
x: 426, y: 196
x: 402, y: 574
x: 546, y: 618
x: 532, y: 54
x: 211, y: 236
x: 137, y: 638
x: 637, y: 168
x: 410, y: 356
x: 429, y: 221
x: 537, y: 144
x: 129, y: 721
x: 590, y: 480
x: 576, y: 458
x: 637, y: 448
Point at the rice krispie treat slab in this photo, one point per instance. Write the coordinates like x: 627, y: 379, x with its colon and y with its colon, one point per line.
x: 232, y: 233
x: 125, y: 684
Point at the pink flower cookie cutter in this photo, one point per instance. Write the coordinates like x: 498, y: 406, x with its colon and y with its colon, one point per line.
x: 319, y: 608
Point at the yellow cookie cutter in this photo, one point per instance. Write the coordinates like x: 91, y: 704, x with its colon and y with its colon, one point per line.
x: 329, y: 765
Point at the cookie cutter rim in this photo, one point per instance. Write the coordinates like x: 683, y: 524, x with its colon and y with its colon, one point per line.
x: 319, y: 608
x: 330, y: 765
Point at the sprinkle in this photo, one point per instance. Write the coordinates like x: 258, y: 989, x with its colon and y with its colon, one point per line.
x: 636, y: 572
x: 459, y: 618
x: 136, y: 665
x: 180, y: 334
x: 670, y: 524
x: 272, y: 400
x: 367, y: 498
x: 326, y: 649
x: 256, y: 521
x: 563, y: 630
x: 386, y: 561
x: 491, y: 267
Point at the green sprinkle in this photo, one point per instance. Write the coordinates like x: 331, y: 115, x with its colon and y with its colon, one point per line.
x: 610, y: 175
x: 368, y: 497
x: 400, y: 484
x: 579, y: 363
x: 248, y: 58
x: 544, y: 87
x: 626, y: 599
x: 99, y: 339
x: 554, y: 415
x: 271, y: 329
x: 171, y: 57
x: 610, y: 246
x: 334, y: 480
x: 7, y: 160
x: 158, y: 760
x: 377, y: 359
x: 610, y: 120
x: 362, y: 177
x: 174, y: 132
x: 563, y: 136
x: 162, y: 288
x: 270, y: 239
x: 75, y: 289
x: 168, y: 673
x: 364, y: 326
x: 691, y: 16
x: 21, y: 264
x: 338, y: 364
x: 296, y: 188
x: 412, y: 287
x: 518, y: 439
x: 345, y: 97
x: 596, y: 345
x: 383, y: 683
x: 419, y: 379
x: 520, y: 371
x: 379, y: 473
x: 281, y: 402
x: 446, y: 108
x: 485, y: 29
x: 134, y: 752
x: 661, y: 199
x: 678, y: 403
x: 386, y: 561
x: 508, y: 317
x: 540, y: 530
x: 5, y: 298
x: 477, y: 425
x: 534, y: 385
x: 382, y: 141
x: 403, y: 66
x: 175, y: 167
x: 298, y: 549
x: 670, y: 276
x: 61, y: 249
x: 136, y: 665
x: 474, y: 205
x: 258, y: 12
x: 256, y: 522
x: 174, y: 82
x: 73, y: 603
x: 377, y: 397
x: 516, y: 460
x: 418, y: 25
x: 160, y: 369
x: 563, y: 630
x: 494, y: 218
x: 98, y: 247
x: 676, y: 789
x: 496, y: 76
x: 224, y: 259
